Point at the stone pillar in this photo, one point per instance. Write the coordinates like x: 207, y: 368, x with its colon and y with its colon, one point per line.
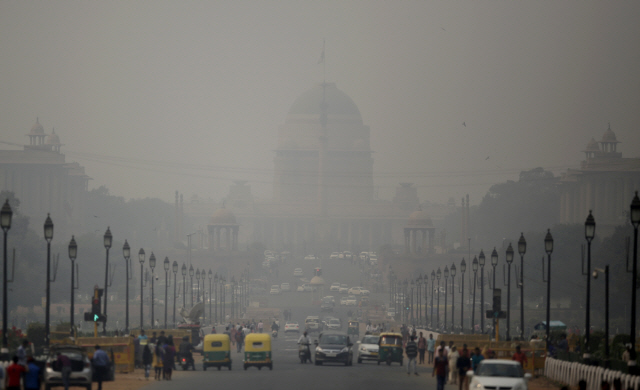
x: 217, y: 238
x: 424, y: 241
x: 406, y: 240
x: 431, y: 239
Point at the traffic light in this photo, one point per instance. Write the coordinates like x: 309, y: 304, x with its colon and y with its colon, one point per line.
x: 497, y: 299
x: 406, y: 304
x: 95, y: 305
x: 317, y: 272
x: 94, y: 317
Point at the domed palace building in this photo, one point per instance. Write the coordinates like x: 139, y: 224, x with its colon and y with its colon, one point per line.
x: 323, y: 191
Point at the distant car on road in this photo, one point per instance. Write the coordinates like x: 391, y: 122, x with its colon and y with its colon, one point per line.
x: 297, y: 272
x: 334, y: 255
x: 356, y: 290
x: 285, y: 287
x: 506, y: 374
x: 344, y: 289
x: 334, y: 324
x: 335, y: 287
x: 275, y: 290
x: 351, y: 301
x: 291, y: 326
x: 310, y: 257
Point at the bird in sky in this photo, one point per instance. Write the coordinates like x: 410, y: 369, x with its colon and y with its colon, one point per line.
x: 487, y: 158
x: 464, y: 124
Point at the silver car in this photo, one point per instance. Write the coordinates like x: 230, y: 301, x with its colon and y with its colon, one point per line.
x: 81, y: 372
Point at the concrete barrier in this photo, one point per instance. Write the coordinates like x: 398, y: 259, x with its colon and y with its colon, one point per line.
x: 571, y: 373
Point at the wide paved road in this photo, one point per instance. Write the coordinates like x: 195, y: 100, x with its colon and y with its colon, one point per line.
x: 287, y: 372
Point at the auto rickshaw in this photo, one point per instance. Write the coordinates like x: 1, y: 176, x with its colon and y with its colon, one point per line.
x: 390, y: 348
x: 257, y: 351
x: 216, y: 351
x: 354, y: 329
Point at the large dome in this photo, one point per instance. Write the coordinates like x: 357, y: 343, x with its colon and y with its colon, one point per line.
x: 37, y: 128
x: 223, y: 217
x: 339, y: 104
x: 419, y: 218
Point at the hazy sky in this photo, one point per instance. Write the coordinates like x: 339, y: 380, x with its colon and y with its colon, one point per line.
x: 155, y: 96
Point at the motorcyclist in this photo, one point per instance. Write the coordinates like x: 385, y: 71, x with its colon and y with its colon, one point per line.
x: 185, y: 350
x: 305, y: 342
x: 275, y: 327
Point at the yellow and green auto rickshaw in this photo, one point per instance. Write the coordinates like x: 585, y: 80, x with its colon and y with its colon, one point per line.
x: 390, y: 348
x: 354, y: 329
x: 257, y: 351
x: 216, y: 351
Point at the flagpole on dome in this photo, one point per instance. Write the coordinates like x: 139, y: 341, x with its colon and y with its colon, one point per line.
x: 324, y: 65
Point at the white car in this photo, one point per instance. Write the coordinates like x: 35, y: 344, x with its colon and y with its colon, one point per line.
x: 334, y: 255
x: 275, y: 290
x: 330, y: 298
x: 343, y: 301
x: 351, y: 301
x: 347, y: 255
x: 291, y: 327
x: 306, y: 288
x: 334, y: 324
x: 285, y: 287
x: 297, y: 272
x: 368, y: 348
x: 335, y: 287
x: 504, y: 374
x: 356, y: 290
x: 363, y: 255
x: 309, y: 257
x: 344, y: 289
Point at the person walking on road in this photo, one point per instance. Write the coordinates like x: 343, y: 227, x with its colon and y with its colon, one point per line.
x: 239, y: 339
x: 100, y: 364
x: 431, y: 347
x: 520, y: 357
x: 147, y: 359
x: 64, y: 364
x: 476, y: 358
x: 13, y: 374
x: 422, y: 347
x: 440, y: 364
x: 412, y: 351
x: 453, y: 361
x: 463, y: 364
x: 32, y: 377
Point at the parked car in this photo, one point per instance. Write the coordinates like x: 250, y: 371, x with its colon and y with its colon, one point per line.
x: 81, y: 372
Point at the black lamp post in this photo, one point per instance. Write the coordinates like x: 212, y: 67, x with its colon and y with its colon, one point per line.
x: 73, y: 253
x: 481, y: 260
x: 223, y: 294
x: 522, y: 249
x: 167, y: 265
x: 233, y: 297
x: 126, y: 253
x: 198, y: 284
x: 463, y: 268
x: 152, y: 265
x: 107, y: 245
x: 184, y: 285
x: 474, y: 267
x: 141, y: 260
x: 418, y: 299
x: 446, y: 285
x: 412, y: 317
x: 215, y: 296
x: 509, y: 261
x: 48, y: 235
x: 605, y: 271
x: 433, y: 279
x: 452, y: 270
x: 548, y: 247
x: 191, y: 272
x: 174, y: 267
x: 635, y: 221
x: 210, y: 297
x: 589, y: 233
x: 494, y: 263
x: 438, y: 275
x: 5, y: 223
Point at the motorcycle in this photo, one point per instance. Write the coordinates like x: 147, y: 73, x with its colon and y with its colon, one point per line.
x: 304, y: 353
x: 186, y: 361
x: 274, y: 333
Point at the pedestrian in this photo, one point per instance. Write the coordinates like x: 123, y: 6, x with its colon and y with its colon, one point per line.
x: 463, y: 365
x: 476, y: 359
x: 440, y: 364
x: 14, y: 373
x: 168, y: 358
x: 32, y: 377
x: 431, y: 345
x: 453, y: 361
x: 232, y: 335
x: 158, y: 357
x: 412, y: 351
x: 260, y: 326
x: 101, y: 365
x: 22, y: 352
x: 239, y: 340
x: 147, y: 360
x: 162, y: 339
x: 422, y: 347
x: 520, y: 357
x: 64, y: 364
x: 137, y: 352
x: 154, y: 339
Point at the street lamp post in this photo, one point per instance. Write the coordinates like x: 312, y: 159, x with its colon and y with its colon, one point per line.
x: 474, y: 267
x: 5, y: 223
x: 198, y: 284
x: 605, y: 271
x: 107, y: 245
x: 166, y: 264
x: 184, y: 285
x: 452, y: 270
x: 433, y: 278
x: 412, y: 285
x: 210, y: 297
x: 141, y: 260
x: 463, y: 268
x: 446, y: 285
x: 438, y: 275
x: 73, y: 253
x: 223, y: 292
x: 215, y: 297
x: 152, y: 265
x: 481, y: 260
x: 509, y: 261
x: 418, y: 299
x: 191, y: 272
x: 48, y: 235
x: 522, y: 249
x: 233, y: 296
x: 174, y: 267
x: 126, y: 253
x: 548, y: 247
x: 635, y: 221
x: 494, y: 263
x: 589, y: 233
